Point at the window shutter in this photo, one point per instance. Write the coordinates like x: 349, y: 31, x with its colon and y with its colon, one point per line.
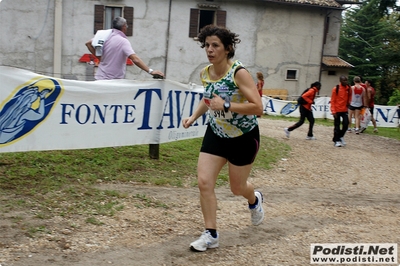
x: 98, y: 18
x: 221, y: 18
x: 194, y: 22
x: 128, y: 15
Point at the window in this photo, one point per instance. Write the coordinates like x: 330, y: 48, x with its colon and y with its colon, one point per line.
x: 111, y: 12
x: 206, y: 18
x: 104, y: 15
x: 291, y: 74
x: 203, y: 17
x: 331, y: 73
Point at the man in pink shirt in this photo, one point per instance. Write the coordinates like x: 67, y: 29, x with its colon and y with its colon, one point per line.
x: 116, y: 50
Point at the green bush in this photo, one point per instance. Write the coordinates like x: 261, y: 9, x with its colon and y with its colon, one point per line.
x: 395, y: 98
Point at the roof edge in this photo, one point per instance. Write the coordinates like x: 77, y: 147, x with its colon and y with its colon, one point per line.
x: 331, y: 4
x: 335, y: 61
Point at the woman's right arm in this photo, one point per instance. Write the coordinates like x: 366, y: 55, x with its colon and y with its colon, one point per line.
x: 200, y: 110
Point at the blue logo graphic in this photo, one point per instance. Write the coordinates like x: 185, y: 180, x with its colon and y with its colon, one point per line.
x: 289, y: 108
x: 27, y: 108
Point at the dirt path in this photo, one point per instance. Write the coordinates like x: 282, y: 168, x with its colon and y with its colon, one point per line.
x: 319, y: 194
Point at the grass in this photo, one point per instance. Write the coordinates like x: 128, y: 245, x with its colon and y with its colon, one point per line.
x: 388, y: 132
x: 63, y: 183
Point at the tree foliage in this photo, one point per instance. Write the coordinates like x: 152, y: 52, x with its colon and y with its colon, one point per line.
x: 370, y: 41
x: 395, y: 98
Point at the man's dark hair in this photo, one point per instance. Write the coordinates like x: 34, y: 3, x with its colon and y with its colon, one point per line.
x: 369, y: 81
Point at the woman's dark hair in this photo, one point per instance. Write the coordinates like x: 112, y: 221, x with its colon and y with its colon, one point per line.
x: 229, y: 39
x: 316, y: 84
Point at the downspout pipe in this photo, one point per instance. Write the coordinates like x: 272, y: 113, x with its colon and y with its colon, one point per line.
x: 327, y: 13
x: 154, y: 149
x: 57, y: 47
x: 167, y: 38
x: 323, y: 42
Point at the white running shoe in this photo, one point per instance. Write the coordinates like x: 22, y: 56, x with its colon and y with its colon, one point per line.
x: 257, y: 213
x: 204, y: 242
x: 343, y: 142
x: 311, y: 138
x: 338, y: 144
x: 287, y: 132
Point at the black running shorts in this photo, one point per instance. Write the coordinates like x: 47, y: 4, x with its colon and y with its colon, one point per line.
x: 238, y: 151
x: 355, y: 108
x: 371, y: 110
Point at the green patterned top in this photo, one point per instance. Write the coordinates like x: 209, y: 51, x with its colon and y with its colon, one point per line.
x: 231, y: 124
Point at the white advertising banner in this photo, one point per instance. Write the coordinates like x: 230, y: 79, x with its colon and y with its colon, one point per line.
x: 46, y: 113
x: 385, y: 116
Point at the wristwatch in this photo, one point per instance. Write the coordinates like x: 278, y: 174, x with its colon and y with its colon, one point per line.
x: 150, y: 70
x: 227, y: 105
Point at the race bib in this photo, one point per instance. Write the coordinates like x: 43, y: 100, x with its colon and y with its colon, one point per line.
x: 220, y: 114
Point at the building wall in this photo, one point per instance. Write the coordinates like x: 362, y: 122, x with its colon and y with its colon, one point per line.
x: 26, y: 35
x: 330, y: 81
x: 274, y: 38
x: 290, y: 38
x: 331, y: 47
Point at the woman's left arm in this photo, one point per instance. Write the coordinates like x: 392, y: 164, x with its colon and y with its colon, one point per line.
x: 247, y: 87
x: 365, y: 97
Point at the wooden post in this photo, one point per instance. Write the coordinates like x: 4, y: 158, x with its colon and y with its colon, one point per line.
x: 154, y: 151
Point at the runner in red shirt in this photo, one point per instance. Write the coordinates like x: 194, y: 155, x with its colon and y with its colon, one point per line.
x: 371, y: 103
x: 306, y: 111
x: 340, y: 100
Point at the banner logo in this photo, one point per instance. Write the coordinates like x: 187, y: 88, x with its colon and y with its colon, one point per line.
x: 27, y: 107
x: 289, y: 108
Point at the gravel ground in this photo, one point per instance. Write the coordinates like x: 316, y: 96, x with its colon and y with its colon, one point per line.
x: 319, y: 194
